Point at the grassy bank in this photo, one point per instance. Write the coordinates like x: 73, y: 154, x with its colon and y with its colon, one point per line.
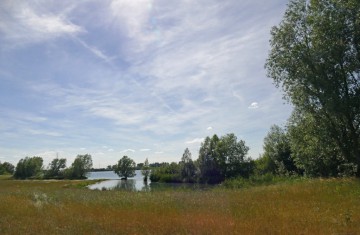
x: 61, y: 207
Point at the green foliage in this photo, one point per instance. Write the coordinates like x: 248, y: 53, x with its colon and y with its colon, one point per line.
x: 315, y: 58
x: 277, y: 152
x: 145, y: 170
x: 166, y: 173
x: 258, y: 180
x: 8, y: 167
x: 210, y: 170
x: 188, y: 168
x: 55, y: 169
x: 81, y: 165
x: 264, y: 165
x: 29, y: 167
x: 224, y: 157
x: 125, y: 167
x: 313, y: 151
x: 2, y: 169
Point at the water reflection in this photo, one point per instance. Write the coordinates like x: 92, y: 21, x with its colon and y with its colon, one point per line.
x: 128, y: 185
x: 136, y: 183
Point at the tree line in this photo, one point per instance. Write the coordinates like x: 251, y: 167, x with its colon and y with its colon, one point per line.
x: 219, y: 159
x: 32, y: 168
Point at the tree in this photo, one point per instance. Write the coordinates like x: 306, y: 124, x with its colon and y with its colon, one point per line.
x: 2, y: 169
x: 8, y: 167
x: 55, y: 168
x: 313, y: 151
x: 81, y: 165
x: 277, y: 149
x: 231, y: 157
x: 315, y: 58
x: 188, y: 169
x: 209, y: 169
x: 125, y: 167
x: 29, y: 167
x: 145, y: 170
x: 225, y: 157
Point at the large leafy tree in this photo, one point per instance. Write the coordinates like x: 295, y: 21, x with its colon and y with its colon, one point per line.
x: 81, y: 165
x: 125, y: 167
x: 315, y: 58
x: 221, y: 158
x: 55, y: 168
x: 231, y: 157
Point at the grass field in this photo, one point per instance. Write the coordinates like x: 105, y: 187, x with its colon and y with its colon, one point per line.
x: 317, y: 206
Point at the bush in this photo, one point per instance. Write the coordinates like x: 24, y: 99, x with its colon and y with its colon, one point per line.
x: 169, y: 173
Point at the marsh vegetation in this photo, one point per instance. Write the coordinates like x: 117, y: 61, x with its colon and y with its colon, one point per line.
x: 316, y: 206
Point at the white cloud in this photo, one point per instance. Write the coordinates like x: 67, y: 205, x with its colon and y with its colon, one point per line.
x: 43, y: 132
x: 195, y: 141
x: 98, y: 53
x: 254, y: 105
x: 128, y: 150
x: 180, y: 64
x: 110, y: 150
x: 132, y: 16
x: 25, y: 24
x: 159, y: 152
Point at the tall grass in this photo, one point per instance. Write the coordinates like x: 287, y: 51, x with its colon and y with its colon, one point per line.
x: 329, y: 206
x: 259, y: 180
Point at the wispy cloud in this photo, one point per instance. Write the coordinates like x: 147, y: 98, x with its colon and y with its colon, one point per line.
x: 173, y: 70
x: 98, y: 53
x: 195, y: 141
x: 25, y: 24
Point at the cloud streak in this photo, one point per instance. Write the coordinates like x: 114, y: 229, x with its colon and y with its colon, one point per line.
x: 24, y: 24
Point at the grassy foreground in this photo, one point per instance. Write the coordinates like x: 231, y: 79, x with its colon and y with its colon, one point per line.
x: 329, y: 206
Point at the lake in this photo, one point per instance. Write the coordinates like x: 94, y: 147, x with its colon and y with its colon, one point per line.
x: 136, y: 183
x: 114, y: 182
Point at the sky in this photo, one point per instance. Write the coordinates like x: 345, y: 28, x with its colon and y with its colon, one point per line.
x: 142, y: 78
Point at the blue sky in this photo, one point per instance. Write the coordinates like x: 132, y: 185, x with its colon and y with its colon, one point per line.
x: 143, y: 78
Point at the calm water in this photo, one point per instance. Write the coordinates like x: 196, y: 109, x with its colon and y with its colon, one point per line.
x: 136, y: 183
x: 114, y: 182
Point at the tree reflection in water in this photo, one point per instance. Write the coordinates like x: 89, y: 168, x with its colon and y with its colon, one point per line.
x: 128, y: 185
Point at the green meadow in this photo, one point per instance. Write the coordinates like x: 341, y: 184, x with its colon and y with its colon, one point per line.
x: 314, y: 206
